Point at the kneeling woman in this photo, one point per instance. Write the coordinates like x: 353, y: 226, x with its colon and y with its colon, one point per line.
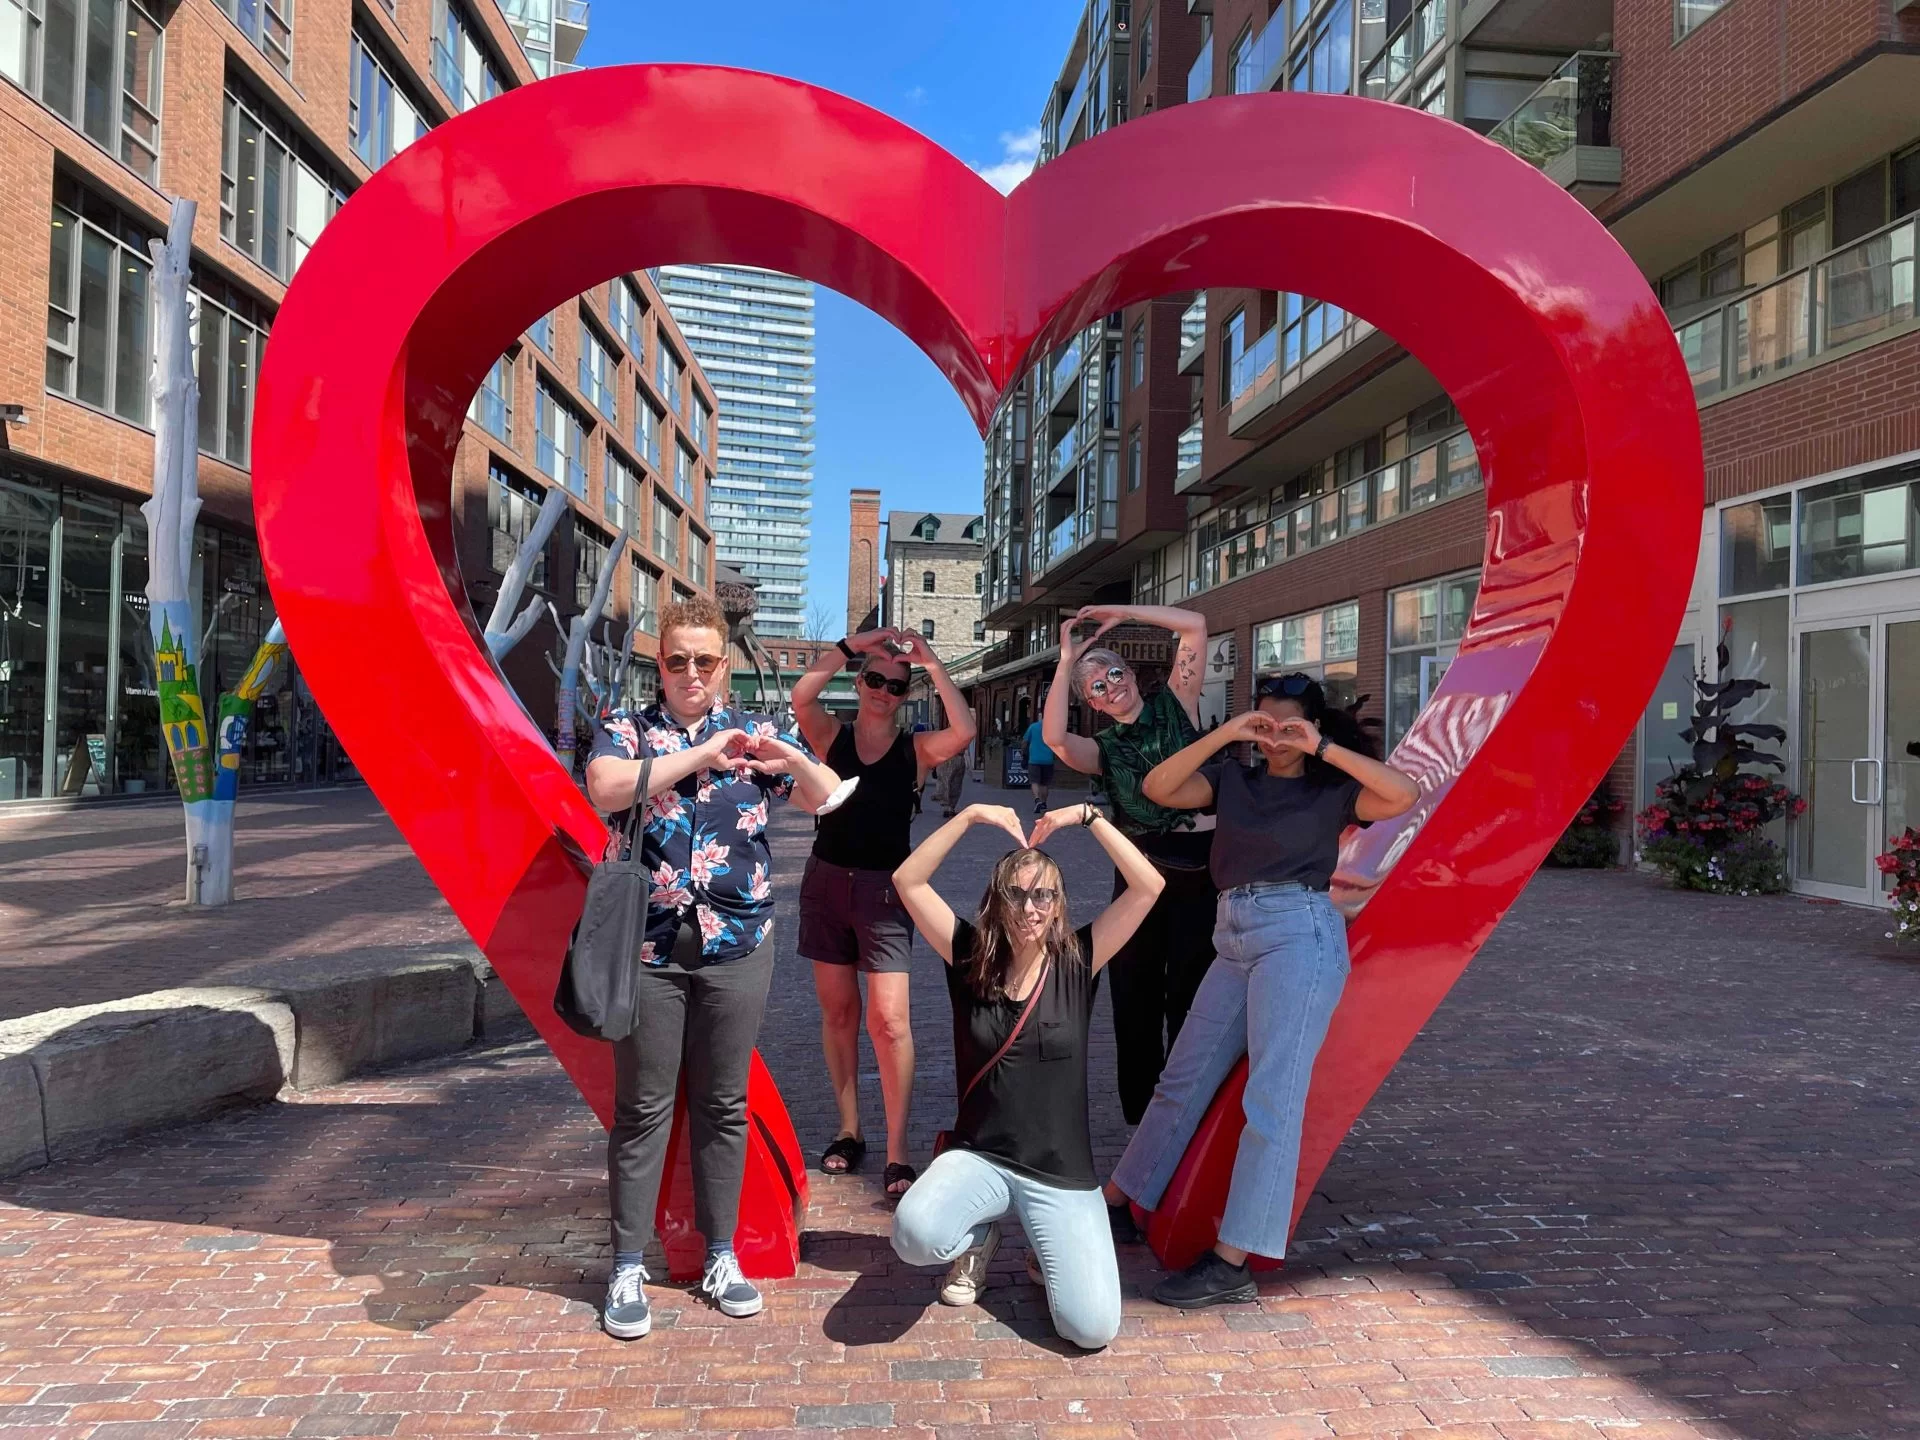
x: 1022, y: 986
x: 1282, y: 960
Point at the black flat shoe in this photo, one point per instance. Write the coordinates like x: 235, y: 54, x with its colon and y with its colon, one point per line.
x: 849, y: 1150
x: 898, y: 1174
x: 1208, y: 1281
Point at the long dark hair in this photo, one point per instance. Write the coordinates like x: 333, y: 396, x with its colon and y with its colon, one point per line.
x: 986, y: 972
x: 1341, y: 726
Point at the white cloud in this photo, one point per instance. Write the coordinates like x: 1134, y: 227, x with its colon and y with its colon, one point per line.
x: 1017, y: 154
x: 917, y: 95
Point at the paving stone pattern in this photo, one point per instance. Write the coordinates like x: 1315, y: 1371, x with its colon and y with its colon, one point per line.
x: 1650, y: 1173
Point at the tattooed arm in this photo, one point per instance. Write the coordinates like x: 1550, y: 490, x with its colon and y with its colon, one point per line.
x: 1190, y: 644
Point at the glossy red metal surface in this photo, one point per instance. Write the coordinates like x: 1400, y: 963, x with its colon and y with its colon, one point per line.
x: 1511, y: 294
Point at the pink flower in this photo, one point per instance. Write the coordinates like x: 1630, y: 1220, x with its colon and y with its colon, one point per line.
x: 753, y: 818
x: 663, y: 741
x: 670, y: 888
x: 647, y: 952
x: 711, y: 925
x: 758, y: 886
x: 707, y: 858
x: 623, y: 730
x: 664, y: 806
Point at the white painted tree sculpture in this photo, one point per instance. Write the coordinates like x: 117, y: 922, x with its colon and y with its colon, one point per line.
x: 206, y: 760
x: 579, y: 633
x: 506, y: 629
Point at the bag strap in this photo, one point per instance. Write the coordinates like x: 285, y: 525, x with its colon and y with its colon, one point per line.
x: 639, y: 806
x: 1018, y: 1025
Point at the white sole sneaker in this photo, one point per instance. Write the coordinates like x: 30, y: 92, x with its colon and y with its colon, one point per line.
x: 629, y: 1331
x: 967, y: 1279
x: 740, y: 1309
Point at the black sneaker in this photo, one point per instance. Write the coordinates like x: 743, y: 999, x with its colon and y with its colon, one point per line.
x: 625, y: 1315
x: 1208, y: 1281
x: 731, y: 1292
x: 1120, y: 1222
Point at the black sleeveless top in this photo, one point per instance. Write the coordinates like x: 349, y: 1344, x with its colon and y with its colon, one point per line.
x: 873, y: 829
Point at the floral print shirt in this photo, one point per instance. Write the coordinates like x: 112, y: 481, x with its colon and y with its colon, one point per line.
x: 704, y: 840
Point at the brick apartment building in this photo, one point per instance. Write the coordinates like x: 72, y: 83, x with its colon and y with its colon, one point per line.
x: 1301, y: 480
x: 270, y: 115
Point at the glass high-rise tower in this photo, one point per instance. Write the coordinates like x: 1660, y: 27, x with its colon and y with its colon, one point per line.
x: 752, y: 332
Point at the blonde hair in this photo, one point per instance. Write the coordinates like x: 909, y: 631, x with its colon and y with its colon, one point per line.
x: 1095, y: 662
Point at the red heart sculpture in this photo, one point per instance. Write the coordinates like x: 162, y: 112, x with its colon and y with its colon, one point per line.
x: 1516, y: 299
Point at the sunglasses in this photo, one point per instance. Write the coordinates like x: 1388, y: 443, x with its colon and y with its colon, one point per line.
x: 1115, y: 674
x: 1285, y: 687
x: 1040, y: 896
x: 874, y: 680
x: 704, y: 664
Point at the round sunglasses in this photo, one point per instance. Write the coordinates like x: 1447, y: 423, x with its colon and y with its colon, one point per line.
x: 1115, y: 674
x: 874, y: 680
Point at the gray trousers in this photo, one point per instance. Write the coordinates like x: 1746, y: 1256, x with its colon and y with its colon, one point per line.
x: 707, y: 1017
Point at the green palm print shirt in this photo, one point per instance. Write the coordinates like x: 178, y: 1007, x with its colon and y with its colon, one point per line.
x: 1128, y: 752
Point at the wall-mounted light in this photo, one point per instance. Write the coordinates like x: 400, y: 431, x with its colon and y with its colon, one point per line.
x: 13, y: 414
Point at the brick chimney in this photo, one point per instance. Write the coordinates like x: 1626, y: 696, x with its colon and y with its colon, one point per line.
x: 863, y: 557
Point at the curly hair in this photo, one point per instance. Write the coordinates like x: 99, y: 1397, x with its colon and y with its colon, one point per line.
x: 696, y: 612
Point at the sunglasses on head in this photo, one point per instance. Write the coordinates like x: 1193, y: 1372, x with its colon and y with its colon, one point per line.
x: 705, y: 665
x: 1040, y: 896
x: 1285, y: 687
x: 874, y: 680
x: 1115, y: 674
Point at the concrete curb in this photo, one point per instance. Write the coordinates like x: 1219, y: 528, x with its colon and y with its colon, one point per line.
x: 79, y: 1078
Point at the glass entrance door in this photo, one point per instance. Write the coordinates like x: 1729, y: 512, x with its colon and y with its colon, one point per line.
x: 1847, y: 732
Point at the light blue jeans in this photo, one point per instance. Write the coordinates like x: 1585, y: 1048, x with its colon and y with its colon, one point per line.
x: 947, y: 1212
x: 1281, y: 963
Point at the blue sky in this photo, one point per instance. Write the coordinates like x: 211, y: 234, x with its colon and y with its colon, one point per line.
x: 974, y: 78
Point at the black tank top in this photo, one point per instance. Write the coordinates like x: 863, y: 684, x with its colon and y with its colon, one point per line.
x: 873, y: 829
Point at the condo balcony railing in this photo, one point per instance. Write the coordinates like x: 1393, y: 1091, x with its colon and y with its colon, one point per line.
x: 1189, y: 447
x: 1060, y: 459
x: 1859, y: 291
x: 1200, y: 75
x: 1061, y: 538
x: 1258, y: 67
x: 1066, y: 365
x: 1193, y: 322
x: 1423, y: 29
x: 1256, y: 364
x: 1446, y: 468
x: 570, y: 12
x: 1574, y: 107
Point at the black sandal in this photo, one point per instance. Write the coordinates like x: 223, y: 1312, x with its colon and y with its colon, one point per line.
x: 849, y: 1150
x: 893, y: 1175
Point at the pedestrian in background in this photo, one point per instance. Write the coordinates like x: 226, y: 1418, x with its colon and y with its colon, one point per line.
x: 1039, y: 765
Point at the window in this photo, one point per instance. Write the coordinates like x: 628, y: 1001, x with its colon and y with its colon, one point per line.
x: 1137, y: 365
x: 927, y: 529
x: 979, y: 581
x: 1714, y: 272
x: 1324, y: 61
x: 1133, y: 459
x: 1756, y: 546
x: 541, y: 333
x: 596, y: 370
x: 646, y: 431
x: 1424, y: 626
x: 1146, y: 42
x: 492, y: 407
x: 1306, y: 326
x: 96, y: 66
x: 625, y: 310
x: 1690, y: 15
x: 645, y: 601
x: 1322, y: 643
x: 619, y: 486
x: 461, y: 67
x: 926, y: 628
x: 382, y: 120
x: 1233, y: 344
x: 1862, y: 526
x: 99, y: 305
x: 513, y: 505
x: 666, y: 375
x: 702, y: 423
x: 979, y: 629
x: 1241, y: 79
x: 927, y: 582
x: 683, y: 473
x: 590, y: 549
x: 666, y: 531
x: 275, y: 195
x: 697, y: 558
x: 231, y: 333
x: 268, y: 24
x: 560, y: 444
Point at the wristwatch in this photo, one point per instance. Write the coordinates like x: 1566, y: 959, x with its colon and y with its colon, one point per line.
x: 1320, y: 750
x: 846, y: 650
x: 1088, y: 814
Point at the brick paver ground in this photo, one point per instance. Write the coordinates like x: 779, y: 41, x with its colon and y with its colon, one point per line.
x: 1651, y: 1172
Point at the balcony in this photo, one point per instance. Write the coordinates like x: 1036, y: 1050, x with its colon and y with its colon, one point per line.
x: 1060, y: 459
x: 1538, y: 25
x: 1294, y: 361
x: 1853, y: 296
x: 1442, y: 470
x: 1193, y: 334
x: 1265, y: 61
x: 1420, y: 33
x: 1565, y: 128
x: 1187, y: 468
x: 1200, y: 76
x: 569, y: 30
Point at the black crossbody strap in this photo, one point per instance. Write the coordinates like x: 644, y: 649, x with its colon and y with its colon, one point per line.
x: 1032, y: 1000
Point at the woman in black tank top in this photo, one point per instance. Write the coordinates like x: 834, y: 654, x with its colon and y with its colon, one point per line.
x: 851, y: 919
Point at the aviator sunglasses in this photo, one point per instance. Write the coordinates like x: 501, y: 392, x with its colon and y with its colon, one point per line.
x: 1040, y: 896
x: 874, y: 680
x: 1115, y: 674
x: 705, y: 665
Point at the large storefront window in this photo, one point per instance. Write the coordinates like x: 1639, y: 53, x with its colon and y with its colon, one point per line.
x: 73, y: 574
x: 1322, y: 643
x: 1424, y: 626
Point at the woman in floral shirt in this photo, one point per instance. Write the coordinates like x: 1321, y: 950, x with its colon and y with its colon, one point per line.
x: 704, y: 965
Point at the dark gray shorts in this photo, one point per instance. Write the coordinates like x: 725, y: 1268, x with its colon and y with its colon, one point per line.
x: 854, y: 917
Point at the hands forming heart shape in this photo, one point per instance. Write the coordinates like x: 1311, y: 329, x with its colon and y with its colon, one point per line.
x: 759, y: 750
x: 1513, y: 297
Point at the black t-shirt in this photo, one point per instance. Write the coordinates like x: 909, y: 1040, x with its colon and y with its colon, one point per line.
x: 1275, y: 829
x: 1030, y: 1112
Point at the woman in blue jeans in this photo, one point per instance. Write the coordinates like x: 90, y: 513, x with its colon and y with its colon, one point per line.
x: 1022, y: 984
x: 1282, y: 961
